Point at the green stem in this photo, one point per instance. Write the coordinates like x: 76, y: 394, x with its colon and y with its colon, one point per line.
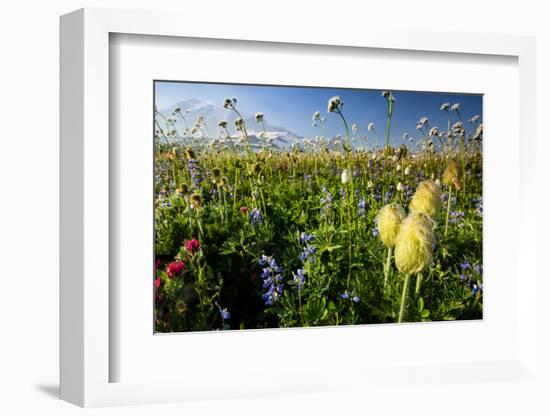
x: 404, y: 298
x: 418, y: 283
x: 235, y: 190
x: 390, y: 112
x: 448, y: 208
x: 387, y: 266
x: 351, y: 196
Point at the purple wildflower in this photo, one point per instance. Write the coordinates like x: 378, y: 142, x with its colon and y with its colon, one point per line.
x: 299, y: 278
x: 272, y: 279
x: 225, y: 314
x: 256, y: 217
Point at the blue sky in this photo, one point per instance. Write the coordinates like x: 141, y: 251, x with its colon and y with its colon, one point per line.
x: 292, y: 107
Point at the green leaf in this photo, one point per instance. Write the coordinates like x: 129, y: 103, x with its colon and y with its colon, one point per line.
x: 420, y: 304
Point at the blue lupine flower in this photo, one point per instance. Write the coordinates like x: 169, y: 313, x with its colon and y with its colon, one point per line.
x: 478, y: 268
x: 307, y: 253
x: 195, y: 173
x: 463, y: 277
x: 306, y: 238
x: 356, y: 299
x: 478, y: 202
x: 225, y: 314
x: 375, y: 231
x: 256, y: 217
x: 308, y: 250
x: 361, y: 205
x: 456, y: 217
x: 263, y: 260
x: 465, y: 265
x: 299, y: 278
x: 326, y: 201
x: 345, y: 295
x: 272, y: 279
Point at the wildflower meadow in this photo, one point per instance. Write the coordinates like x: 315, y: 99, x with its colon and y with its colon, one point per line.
x: 257, y: 228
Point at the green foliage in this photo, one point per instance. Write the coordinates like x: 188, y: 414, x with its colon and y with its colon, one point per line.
x: 301, y: 192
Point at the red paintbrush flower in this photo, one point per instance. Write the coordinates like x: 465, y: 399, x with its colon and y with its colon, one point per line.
x: 192, y: 246
x: 157, y: 282
x: 175, y: 268
x: 244, y: 210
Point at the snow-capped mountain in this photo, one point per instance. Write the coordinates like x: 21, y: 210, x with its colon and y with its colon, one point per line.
x: 190, y: 110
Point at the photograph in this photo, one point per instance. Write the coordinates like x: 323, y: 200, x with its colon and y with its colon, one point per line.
x: 285, y: 206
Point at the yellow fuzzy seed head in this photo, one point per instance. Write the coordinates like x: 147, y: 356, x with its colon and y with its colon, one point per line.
x: 413, y: 245
x: 190, y: 154
x: 389, y: 220
x: 451, y: 175
x: 196, y: 201
x: 426, y: 199
x: 183, y: 189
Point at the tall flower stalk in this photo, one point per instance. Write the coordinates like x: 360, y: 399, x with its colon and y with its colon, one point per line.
x: 335, y: 105
x: 451, y: 178
x: 413, y: 252
x: 321, y: 120
x: 240, y: 125
x: 445, y: 107
x: 390, y: 99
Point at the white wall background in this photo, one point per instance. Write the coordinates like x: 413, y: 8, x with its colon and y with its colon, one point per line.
x: 29, y: 176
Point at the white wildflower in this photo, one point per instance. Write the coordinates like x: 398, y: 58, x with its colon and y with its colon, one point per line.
x: 239, y: 123
x: 388, y: 95
x: 335, y: 104
x: 346, y: 177
x: 229, y: 103
x: 316, y: 116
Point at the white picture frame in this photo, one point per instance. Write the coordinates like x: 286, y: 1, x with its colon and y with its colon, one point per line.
x: 85, y: 353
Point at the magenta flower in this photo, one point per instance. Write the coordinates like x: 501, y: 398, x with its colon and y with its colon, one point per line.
x: 175, y: 268
x: 192, y: 246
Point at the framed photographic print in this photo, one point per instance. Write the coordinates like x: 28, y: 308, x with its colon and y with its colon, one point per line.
x: 299, y: 223
x: 320, y: 227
